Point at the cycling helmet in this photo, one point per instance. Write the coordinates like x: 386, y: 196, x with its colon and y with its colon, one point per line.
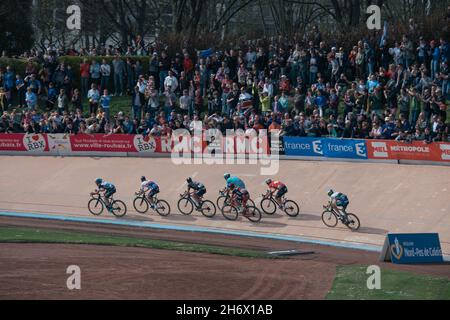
x: 143, y: 179
x: 268, y: 181
x: 330, y: 192
x: 226, y: 176
x: 98, y: 181
x: 189, y: 180
x: 231, y: 186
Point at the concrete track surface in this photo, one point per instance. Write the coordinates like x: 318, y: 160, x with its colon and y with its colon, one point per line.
x: 386, y: 197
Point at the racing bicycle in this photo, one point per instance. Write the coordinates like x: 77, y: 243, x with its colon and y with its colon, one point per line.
x: 331, y: 218
x: 269, y: 205
x: 224, y: 198
x: 98, y: 203
x: 232, y: 208
x: 186, y: 205
x: 142, y: 204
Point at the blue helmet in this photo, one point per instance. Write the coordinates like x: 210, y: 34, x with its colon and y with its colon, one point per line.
x: 98, y: 181
x: 226, y: 176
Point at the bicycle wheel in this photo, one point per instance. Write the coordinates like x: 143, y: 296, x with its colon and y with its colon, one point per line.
x: 140, y: 204
x: 291, y: 208
x: 230, y: 212
x: 208, y: 209
x: 119, y: 208
x: 329, y: 219
x: 96, y: 207
x: 353, y: 222
x: 221, y: 202
x: 163, y: 208
x: 185, y: 206
x: 268, y: 206
x: 250, y: 202
x: 253, y: 214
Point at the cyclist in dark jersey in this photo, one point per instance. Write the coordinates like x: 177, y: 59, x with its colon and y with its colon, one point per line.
x: 240, y: 195
x: 199, y: 189
x: 109, y: 190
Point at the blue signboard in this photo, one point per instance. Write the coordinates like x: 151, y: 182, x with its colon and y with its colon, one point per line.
x: 305, y: 147
x: 344, y: 149
x: 324, y: 147
x: 412, y: 248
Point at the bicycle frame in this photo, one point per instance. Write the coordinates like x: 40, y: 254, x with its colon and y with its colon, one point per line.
x: 331, y: 209
x: 269, y: 195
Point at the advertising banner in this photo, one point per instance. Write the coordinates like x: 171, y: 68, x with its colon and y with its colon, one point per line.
x: 31, y: 143
x: 330, y: 148
x: 412, y: 248
x: 304, y: 147
x: 416, y: 150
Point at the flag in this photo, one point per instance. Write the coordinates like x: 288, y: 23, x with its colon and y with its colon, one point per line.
x: 385, y: 34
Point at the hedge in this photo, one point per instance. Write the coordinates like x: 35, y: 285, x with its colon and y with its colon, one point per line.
x: 19, y: 65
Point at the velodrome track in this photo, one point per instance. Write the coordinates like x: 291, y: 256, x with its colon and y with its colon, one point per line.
x: 386, y: 197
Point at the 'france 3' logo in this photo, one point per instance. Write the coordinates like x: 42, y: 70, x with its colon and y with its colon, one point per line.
x: 318, y: 147
x: 361, y: 149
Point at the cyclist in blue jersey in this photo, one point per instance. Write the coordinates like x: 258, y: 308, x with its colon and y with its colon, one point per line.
x: 339, y: 202
x: 235, y: 180
x: 108, y: 188
x: 151, y: 187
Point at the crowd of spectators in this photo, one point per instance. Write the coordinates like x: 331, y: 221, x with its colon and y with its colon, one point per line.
x: 376, y: 90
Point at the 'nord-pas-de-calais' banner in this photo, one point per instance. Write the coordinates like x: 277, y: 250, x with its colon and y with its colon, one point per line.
x: 411, y: 248
x: 325, y: 147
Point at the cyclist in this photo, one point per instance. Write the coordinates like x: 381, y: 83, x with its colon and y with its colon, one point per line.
x: 241, y: 196
x: 339, y: 202
x: 199, y: 189
x: 152, y: 187
x: 235, y: 180
x: 280, y: 189
x: 109, y: 190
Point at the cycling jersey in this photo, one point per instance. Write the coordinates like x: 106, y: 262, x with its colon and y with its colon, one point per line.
x: 276, y: 185
x: 149, y: 185
x: 106, y: 186
x: 196, y: 185
x: 341, y: 199
x: 236, y: 181
x: 109, y: 188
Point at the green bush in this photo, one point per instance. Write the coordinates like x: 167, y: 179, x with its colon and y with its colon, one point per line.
x: 18, y: 65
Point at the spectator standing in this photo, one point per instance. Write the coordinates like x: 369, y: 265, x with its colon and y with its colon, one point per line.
x: 94, y: 98
x: 119, y: 73
x: 94, y: 71
x: 31, y: 99
x: 137, y: 104
x: 85, y: 74
x: 63, y: 102
x: 105, y: 70
x: 105, y: 101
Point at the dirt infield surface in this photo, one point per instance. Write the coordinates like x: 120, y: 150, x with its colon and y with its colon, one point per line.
x: 38, y: 271
x: 386, y: 197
